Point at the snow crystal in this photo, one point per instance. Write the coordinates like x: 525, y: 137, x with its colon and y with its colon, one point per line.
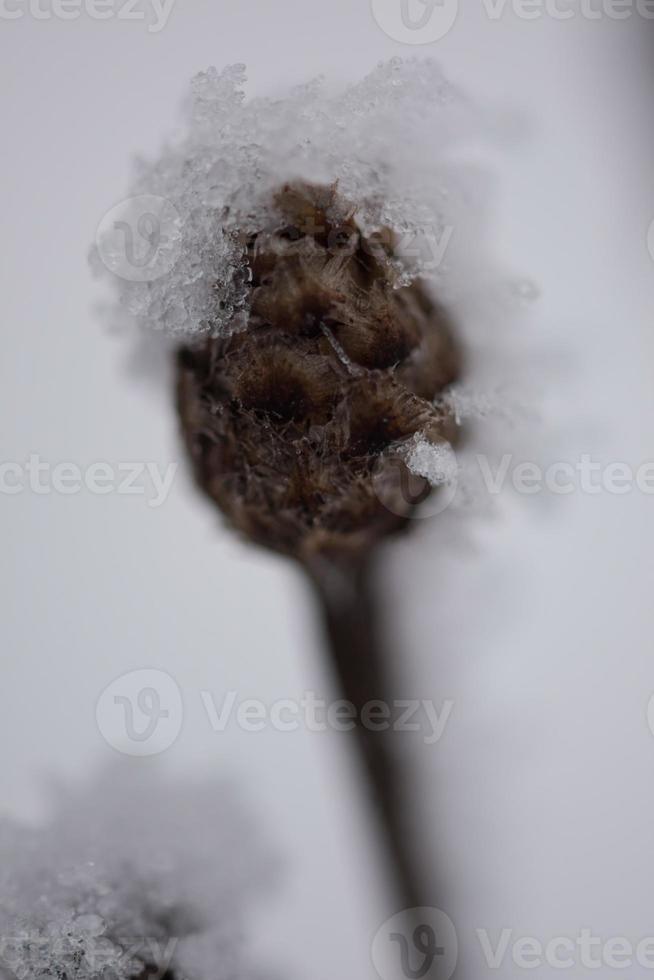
x: 176, y: 247
x: 130, y: 875
x: 465, y: 402
x: 434, y: 461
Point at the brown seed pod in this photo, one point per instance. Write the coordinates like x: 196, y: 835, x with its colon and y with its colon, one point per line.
x: 290, y: 423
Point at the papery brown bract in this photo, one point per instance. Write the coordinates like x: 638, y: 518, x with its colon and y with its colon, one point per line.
x: 289, y: 422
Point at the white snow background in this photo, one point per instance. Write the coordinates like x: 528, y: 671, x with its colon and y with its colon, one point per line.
x: 537, y: 803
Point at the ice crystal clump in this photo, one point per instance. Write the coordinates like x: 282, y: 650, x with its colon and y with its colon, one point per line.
x: 434, y: 461
x: 131, y: 878
x: 385, y: 140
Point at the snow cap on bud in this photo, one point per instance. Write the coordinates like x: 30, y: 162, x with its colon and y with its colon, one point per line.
x: 290, y: 422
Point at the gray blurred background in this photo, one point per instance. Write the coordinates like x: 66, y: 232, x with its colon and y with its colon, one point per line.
x: 537, y: 805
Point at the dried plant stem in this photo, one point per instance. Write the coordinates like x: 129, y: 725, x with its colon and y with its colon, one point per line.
x: 293, y: 428
x: 349, y: 607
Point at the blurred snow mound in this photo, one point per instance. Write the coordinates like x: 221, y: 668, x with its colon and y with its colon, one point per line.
x: 131, y: 877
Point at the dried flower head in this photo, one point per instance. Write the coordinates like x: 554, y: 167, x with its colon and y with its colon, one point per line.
x: 293, y: 423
